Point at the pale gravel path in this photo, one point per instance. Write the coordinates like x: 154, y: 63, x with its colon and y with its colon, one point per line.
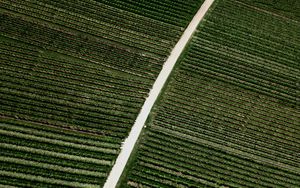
x: 129, y: 143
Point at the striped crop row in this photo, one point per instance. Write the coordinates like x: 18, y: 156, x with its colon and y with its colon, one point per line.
x: 74, y: 75
x: 229, y: 114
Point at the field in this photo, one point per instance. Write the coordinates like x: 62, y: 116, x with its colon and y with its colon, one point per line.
x: 74, y: 75
x: 229, y: 115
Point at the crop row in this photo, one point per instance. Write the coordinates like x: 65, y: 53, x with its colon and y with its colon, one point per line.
x: 74, y: 77
x: 138, y: 36
x: 107, y: 125
x: 52, y: 76
x: 239, y: 113
x: 253, y: 129
x: 233, y: 137
x: 283, y: 95
x: 56, y: 87
x: 56, y: 145
x: 52, y: 171
x: 258, y: 46
x: 243, y: 108
x: 13, y: 179
x: 58, y: 134
x: 61, y: 104
x: 115, y: 16
x: 279, y: 8
x: 250, y: 15
x: 256, y: 62
x: 198, y: 160
x: 62, y: 131
x: 195, y: 149
x: 31, y: 67
x: 228, y: 116
x: 51, y: 158
x: 233, y: 140
x: 67, y: 80
x: 89, y: 99
x: 241, y: 104
x: 91, y: 70
x: 200, y: 83
x: 216, y: 126
x: 35, y: 102
x: 285, y: 98
x: 68, y: 44
x: 93, y: 27
x: 244, y: 64
x: 204, y: 169
x: 179, y: 18
x: 211, y: 145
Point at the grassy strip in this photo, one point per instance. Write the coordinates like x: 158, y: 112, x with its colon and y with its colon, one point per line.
x: 48, y: 134
x: 55, y: 154
x: 45, y: 180
x: 51, y: 167
x: 63, y: 131
x: 57, y: 142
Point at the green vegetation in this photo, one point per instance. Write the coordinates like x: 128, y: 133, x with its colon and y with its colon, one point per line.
x: 74, y: 75
x: 229, y: 116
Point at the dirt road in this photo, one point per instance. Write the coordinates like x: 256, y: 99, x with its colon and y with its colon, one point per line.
x: 129, y: 143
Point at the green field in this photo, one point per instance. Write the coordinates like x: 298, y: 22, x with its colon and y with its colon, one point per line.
x: 74, y: 75
x: 229, y: 115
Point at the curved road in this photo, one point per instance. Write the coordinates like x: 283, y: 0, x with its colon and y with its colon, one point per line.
x: 129, y: 143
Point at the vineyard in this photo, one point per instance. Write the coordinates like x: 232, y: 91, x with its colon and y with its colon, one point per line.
x: 229, y: 114
x: 74, y: 75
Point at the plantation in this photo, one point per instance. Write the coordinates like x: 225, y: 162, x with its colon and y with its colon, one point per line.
x: 74, y: 75
x: 229, y: 114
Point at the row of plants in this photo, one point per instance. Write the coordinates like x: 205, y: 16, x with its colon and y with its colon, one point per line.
x: 11, y: 179
x: 91, y: 70
x: 93, y: 27
x: 72, y: 42
x: 203, y: 169
x: 209, y: 120
x: 56, y: 145
x: 74, y: 76
x: 252, y: 45
x: 117, y: 17
x: 228, y: 115
x: 197, y: 159
x: 61, y: 133
x: 54, y: 158
x: 34, y: 69
x: 287, y: 148
x: 56, y: 87
x: 200, y: 83
x: 91, y: 100
x: 193, y: 148
x: 106, y: 125
x: 84, y: 49
x: 219, y: 99
x: 247, y: 83
x: 164, y: 13
x: 234, y: 141
x: 283, y: 97
x: 251, y: 14
x: 238, y: 65
x: 40, y: 84
x: 289, y: 10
